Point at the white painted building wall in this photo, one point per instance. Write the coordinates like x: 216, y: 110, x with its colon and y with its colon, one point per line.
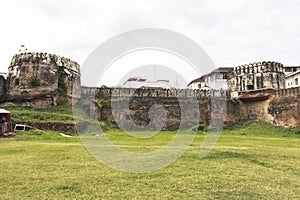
x: 216, y: 81
x: 197, y: 85
x: 292, y: 80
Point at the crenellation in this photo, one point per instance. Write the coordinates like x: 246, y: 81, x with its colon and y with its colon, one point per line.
x: 43, y: 59
x: 254, y: 76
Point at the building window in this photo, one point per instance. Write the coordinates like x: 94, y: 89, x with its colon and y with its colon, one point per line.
x: 288, y: 70
x: 296, y: 81
x: 199, y: 85
x: 225, y: 76
x: 219, y: 76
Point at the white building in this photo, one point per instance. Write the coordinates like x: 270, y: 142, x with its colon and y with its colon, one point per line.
x: 137, y: 82
x: 197, y: 83
x: 292, y: 79
x: 216, y: 79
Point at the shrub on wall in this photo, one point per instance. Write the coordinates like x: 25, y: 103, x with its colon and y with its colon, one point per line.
x: 33, y: 81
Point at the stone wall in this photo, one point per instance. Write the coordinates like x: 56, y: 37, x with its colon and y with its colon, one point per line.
x: 32, y: 76
x: 285, y: 111
x: 279, y: 107
x: 64, y: 127
x: 255, y: 76
x: 277, y: 110
x: 139, y: 112
x: 2, y: 87
x: 42, y: 80
x: 151, y: 92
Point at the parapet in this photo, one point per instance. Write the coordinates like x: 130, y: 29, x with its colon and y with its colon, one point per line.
x: 41, y: 59
x: 265, y: 66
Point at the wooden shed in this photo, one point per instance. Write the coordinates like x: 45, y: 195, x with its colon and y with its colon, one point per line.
x: 4, y: 121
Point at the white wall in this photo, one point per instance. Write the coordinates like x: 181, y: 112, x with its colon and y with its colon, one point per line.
x: 215, y: 82
x: 195, y: 85
x: 290, y: 81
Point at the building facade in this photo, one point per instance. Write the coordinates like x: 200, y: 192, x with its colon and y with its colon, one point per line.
x: 138, y: 82
x: 216, y: 80
x: 292, y: 79
x: 197, y: 83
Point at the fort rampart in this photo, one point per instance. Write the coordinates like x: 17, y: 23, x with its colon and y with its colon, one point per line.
x: 42, y: 80
x: 279, y: 107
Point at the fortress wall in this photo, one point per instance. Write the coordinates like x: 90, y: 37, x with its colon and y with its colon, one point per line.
x: 64, y: 127
x: 279, y: 107
x: 2, y: 87
x: 57, y: 75
x: 151, y: 92
x: 139, y: 113
x: 259, y: 109
x: 38, y: 77
x: 285, y: 110
x: 139, y: 109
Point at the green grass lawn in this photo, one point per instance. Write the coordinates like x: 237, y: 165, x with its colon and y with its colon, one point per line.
x: 59, y: 114
x: 252, y: 160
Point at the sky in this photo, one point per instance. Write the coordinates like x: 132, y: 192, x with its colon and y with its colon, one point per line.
x: 232, y: 32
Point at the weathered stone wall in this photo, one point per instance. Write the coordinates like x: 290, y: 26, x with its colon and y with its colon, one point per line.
x: 285, y: 107
x: 254, y: 76
x: 32, y: 76
x: 2, y: 87
x: 257, y: 108
x: 42, y: 80
x: 42, y: 102
x: 151, y: 92
x: 53, y: 126
x: 139, y: 111
x: 141, y: 101
x: 279, y: 107
x: 285, y: 110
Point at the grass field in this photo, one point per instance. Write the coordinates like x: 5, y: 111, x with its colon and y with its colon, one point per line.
x: 252, y: 160
x: 60, y: 114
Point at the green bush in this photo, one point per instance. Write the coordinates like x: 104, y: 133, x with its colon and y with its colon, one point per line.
x: 33, y: 81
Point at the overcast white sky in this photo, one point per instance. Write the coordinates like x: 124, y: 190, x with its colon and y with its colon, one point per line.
x: 232, y: 32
